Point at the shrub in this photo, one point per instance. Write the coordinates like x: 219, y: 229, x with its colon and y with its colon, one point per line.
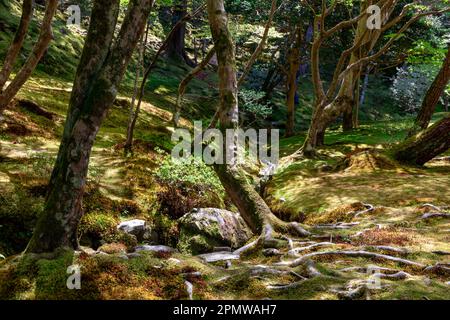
x: 187, y: 184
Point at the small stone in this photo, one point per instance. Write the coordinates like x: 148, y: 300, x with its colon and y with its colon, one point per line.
x: 427, y: 281
x: 282, y: 199
x: 2, y: 257
x: 219, y: 256
x: 88, y: 250
x: 158, y: 248
x: 270, y: 252
x: 228, y: 264
x: 174, y: 260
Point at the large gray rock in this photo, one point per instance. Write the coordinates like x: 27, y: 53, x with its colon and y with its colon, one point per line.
x: 204, y: 229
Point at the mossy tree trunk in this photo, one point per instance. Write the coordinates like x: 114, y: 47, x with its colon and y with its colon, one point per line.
x: 425, y: 145
x: 100, y: 71
x: 251, y: 206
x: 432, y: 96
x: 45, y: 36
x: 17, y: 43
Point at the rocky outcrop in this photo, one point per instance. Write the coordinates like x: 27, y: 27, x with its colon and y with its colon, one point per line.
x: 204, y: 229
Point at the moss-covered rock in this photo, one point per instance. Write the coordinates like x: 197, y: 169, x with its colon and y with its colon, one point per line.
x: 203, y: 229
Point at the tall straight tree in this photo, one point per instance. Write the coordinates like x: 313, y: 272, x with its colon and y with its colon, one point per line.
x: 251, y: 206
x: 100, y: 71
x: 45, y: 36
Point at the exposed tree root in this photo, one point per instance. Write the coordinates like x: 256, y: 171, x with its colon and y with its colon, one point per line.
x: 361, y: 254
x: 369, y: 207
x: 284, y: 286
x: 401, y: 275
x: 390, y: 249
x: 439, y: 268
x: 339, y: 225
x: 295, y: 251
x: 431, y: 215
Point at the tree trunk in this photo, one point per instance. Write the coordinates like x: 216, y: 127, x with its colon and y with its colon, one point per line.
x: 251, y: 206
x: 425, y: 145
x: 132, y: 119
x: 261, y: 44
x: 291, y: 81
x: 176, y: 44
x: 100, y: 71
x: 183, y: 85
x: 432, y: 97
x: 45, y: 36
x: 17, y: 43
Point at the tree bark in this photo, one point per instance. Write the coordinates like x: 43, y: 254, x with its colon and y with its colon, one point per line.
x: 17, y: 43
x: 291, y: 81
x: 251, y: 206
x: 425, y: 145
x: 176, y: 44
x: 45, y: 36
x: 261, y: 45
x: 100, y: 71
x: 184, y: 83
x: 132, y: 119
x: 130, y: 131
x: 432, y: 96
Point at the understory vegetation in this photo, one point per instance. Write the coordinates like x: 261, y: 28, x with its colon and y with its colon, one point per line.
x: 361, y: 207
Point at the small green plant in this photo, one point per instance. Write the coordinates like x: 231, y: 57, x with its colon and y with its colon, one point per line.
x: 187, y: 184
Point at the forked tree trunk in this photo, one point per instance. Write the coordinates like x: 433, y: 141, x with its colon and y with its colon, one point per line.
x: 251, y: 206
x: 45, y: 36
x: 425, y: 145
x: 432, y: 97
x: 17, y: 43
x: 100, y: 71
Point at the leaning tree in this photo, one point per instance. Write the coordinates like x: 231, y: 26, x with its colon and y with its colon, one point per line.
x: 432, y: 96
x: 100, y: 71
x: 8, y: 92
x: 251, y: 206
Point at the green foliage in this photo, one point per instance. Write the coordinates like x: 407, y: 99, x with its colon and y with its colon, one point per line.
x: 18, y: 214
x: 187, y: 184
x: 253, y: 111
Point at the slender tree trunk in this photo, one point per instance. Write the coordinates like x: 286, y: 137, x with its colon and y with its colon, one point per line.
x: 140, y: 68
x: 176, y: 44
x: 251, y: 206
x: 100, y: 71
x: 261, y: 45
x: 424, y: 146
x: 183, y: 85
x: 291, y: 81
x: 432, y: 97
x: 17, y: 43
x: 45, y: 36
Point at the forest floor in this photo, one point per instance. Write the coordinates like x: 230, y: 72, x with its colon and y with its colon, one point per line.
x: 326, y: 194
